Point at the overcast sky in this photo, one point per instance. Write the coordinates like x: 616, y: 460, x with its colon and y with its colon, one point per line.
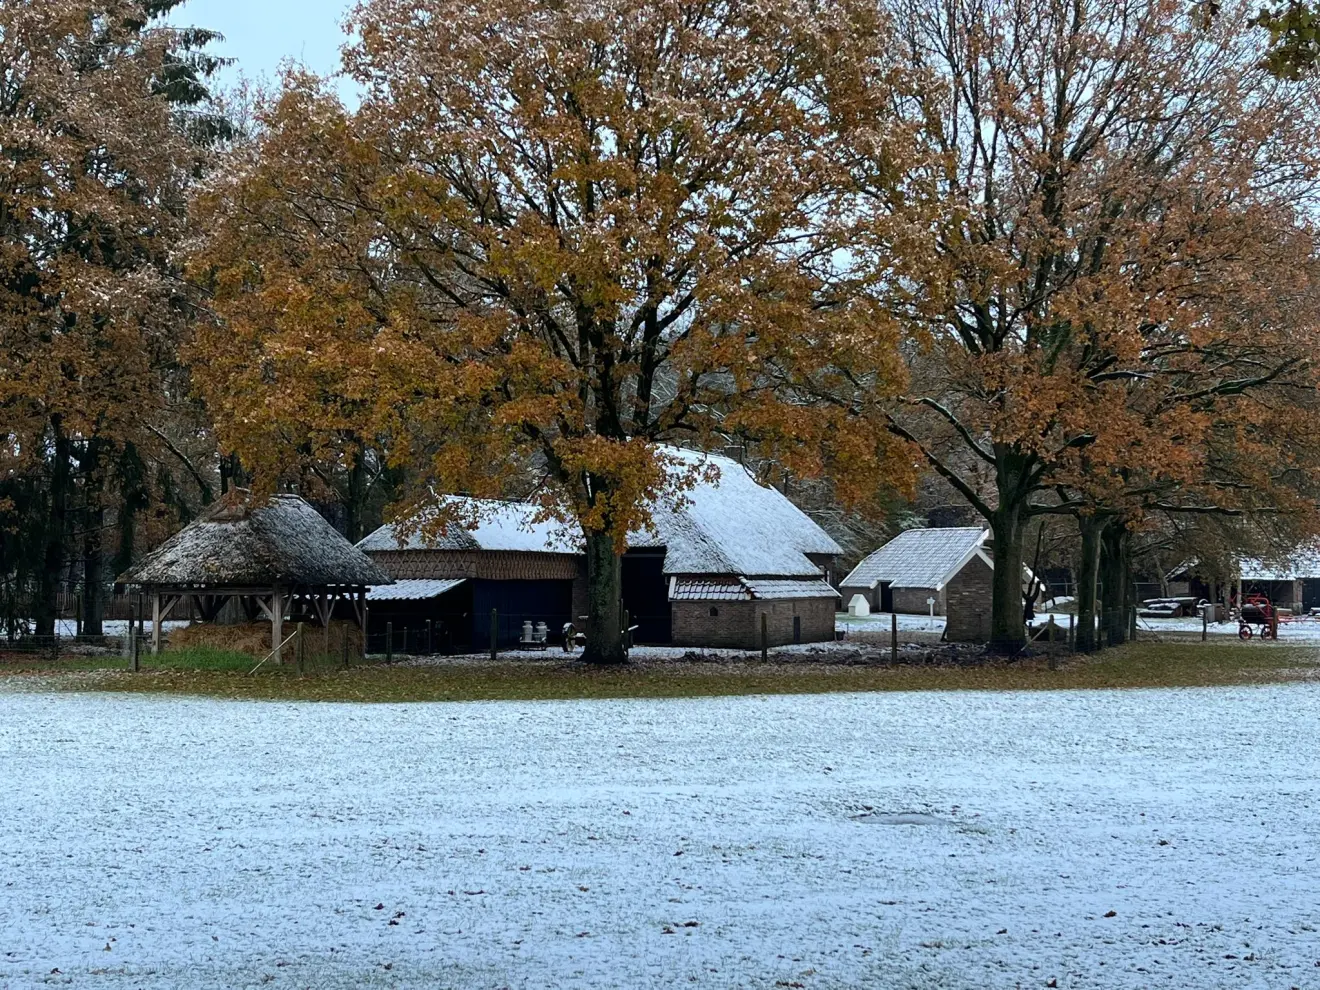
x: 260, y: 34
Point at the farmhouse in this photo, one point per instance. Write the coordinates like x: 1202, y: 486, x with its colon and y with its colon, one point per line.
x: 277, y: 559
x: 706, y: 572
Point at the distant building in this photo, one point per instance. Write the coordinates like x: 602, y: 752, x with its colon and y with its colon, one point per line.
x: 914, y: 567
x: 733, y: 551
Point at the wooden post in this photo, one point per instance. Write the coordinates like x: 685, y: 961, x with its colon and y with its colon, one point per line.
x: 494, y: 632
x: 344, y: 645
x: 1205, y: 624
x: 389, y: 642
x: 765, y: 637
x: 78, y: 615
x: 366, y: 624
x: 134, y: 640
x: 277, y: 625
x: 155, y: 624
x: 300, y: 649
x: 893, y: 637
x: 627, y: 630
x: 1132, y: 626
x: 1072, y: 632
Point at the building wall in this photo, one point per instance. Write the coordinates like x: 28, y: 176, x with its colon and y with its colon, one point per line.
x: 738, y: 624
x: 969, y: 595
x: 489, y: 565
x: 872, y: 595
x: 912, y: 601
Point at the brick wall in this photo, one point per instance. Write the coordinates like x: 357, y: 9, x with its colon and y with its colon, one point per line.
x: 491, y: 565
x: 969, y: 596
x: 738, y: 624
x: 912, y: 601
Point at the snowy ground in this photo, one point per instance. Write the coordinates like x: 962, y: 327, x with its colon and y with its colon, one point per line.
x: 958, y: 840
x: 1300, y: 630
x: 113, y: 627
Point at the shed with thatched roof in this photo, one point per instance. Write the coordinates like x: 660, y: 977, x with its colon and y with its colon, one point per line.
x: 277, y: 557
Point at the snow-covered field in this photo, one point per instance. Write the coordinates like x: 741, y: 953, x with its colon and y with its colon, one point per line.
x: 1300, y: 630
x: 1102, y: 839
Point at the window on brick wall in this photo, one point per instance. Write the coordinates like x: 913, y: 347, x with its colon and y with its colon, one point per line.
x: 714, y: 612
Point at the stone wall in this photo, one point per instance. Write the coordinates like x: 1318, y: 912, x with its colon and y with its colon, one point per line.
x: 737, y: 625
x: 969, y: 596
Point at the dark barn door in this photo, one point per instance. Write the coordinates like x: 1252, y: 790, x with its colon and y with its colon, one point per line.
x: 517, y: 602
x: 646, y: 597
x: 886, y: 597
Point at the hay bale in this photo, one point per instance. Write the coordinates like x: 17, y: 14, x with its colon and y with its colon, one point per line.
x: 254, y: 638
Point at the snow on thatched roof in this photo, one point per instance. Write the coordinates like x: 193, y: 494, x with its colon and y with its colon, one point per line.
x: 919, y: 558
x: 732, y: 524
x: 239, y: 543
x: 728, y: 524
x: 499, y: 526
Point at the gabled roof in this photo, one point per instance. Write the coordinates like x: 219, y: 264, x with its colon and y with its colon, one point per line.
x: 499, y: 526
x: 242, y: 543
x: 728, y: 524
x: 1304, y: 562
x: 413, y: 590
x: 919, y: 558
x: 732, y: 524
x: 726, y: 589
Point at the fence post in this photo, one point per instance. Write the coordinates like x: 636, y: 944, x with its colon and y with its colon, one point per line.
x: 1205, y: 624
x: 627, y: 630
x: 134, y: 641
x: 893, y: 637
x: 765, y: 638
x: 300, y: 650
x: 494, y: 632
x: 1132, y: 629
x: 389, y: 642
x: 77, y: 615
x: 1072, y: 632
x: 344, y: 645
x: 366, y: 624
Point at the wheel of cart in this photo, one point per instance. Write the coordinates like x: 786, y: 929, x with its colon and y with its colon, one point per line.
x: 1257, y: 610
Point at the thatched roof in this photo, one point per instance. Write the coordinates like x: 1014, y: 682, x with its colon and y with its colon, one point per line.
x: 241, y: 543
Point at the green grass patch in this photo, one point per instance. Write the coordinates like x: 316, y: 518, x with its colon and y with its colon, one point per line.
x: 214, y: 673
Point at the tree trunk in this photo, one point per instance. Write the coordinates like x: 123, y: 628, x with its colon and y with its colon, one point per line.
x: 1092, y: 529
x: 356, y: 501
x: 46, y: 606
x: 605, y: 643
x: 1007, y: 628
x: 1114, y: 584
x: 93, y: 606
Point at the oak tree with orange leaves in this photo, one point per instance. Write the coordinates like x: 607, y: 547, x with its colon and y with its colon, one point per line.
x: 552, y: 238
x: 1104, y: 313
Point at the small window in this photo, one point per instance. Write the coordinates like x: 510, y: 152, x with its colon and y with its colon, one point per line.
x: 714, y: 612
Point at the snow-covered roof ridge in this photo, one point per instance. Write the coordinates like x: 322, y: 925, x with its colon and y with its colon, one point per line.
x: 728, y: 523
x: 732, y: 524
x: 919, y: 558
x: 500, y: 525
x: 247, y: 543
